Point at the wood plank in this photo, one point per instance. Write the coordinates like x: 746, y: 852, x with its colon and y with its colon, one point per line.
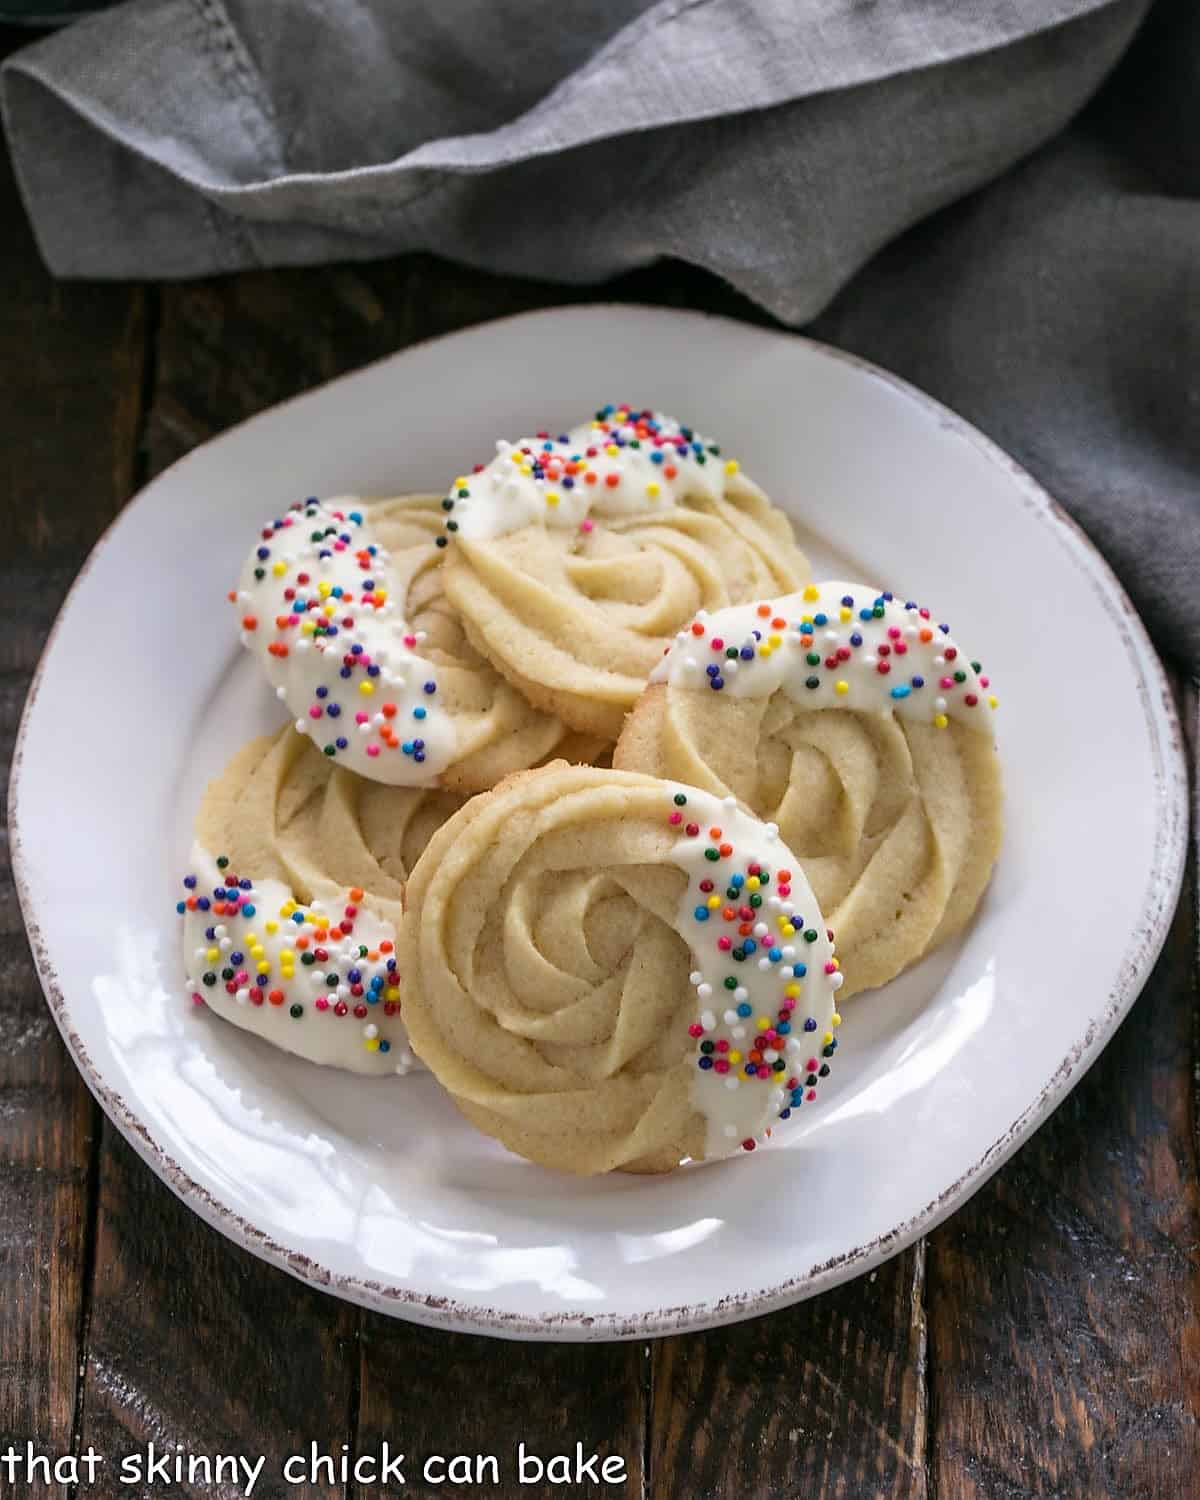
x: 1064, y: 1299
x: 452, y: 1393
x: 195, y: 1343
x: 824, y: 1400
x: 71, y: 361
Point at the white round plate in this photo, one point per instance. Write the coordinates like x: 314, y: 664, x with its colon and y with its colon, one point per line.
x: 378, y: 1190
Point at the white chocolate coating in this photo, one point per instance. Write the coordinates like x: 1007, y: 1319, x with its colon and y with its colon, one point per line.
x: 621, y: 463
x: 316, y: 610
x: 870, y: 654
x: 786, y: 976
x: 340, y: 1009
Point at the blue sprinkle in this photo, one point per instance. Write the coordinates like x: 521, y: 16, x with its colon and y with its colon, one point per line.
x: 700, y: 913
x: 856, y: 639
x: 298, y: 918
x: 747, y: 653
x: 345, y: 671
x: 356, y: 650
x: 799, y: 970
x: 820, y: 619
x: 372, y: 670
x: 248, y: 910
x: 745, y: 1009
x: 322, y: 691
x: 749, y: 946
x: 774, y: 955
x: 901, y: 690
x: 385, y: 1046
x: 866, y: 614
x: 712, y: 671
x: 334, y: 711
x: 706, y: 1063
x: 203, y: 903
x: 419, y: 712
x: 848, y: 601
x: 341, y: 742
x: 918, y: 682
x: 181, y: 907
x: 810, y: 1024
x: 190, y: 882
x: 264, y: 553
x: 737, y: 880
x: 717, y: 683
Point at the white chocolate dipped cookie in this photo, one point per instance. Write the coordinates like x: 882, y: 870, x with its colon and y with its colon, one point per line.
x: 855, y: 722
x: 342, y: 603
x: 292, y: 899
x: 573, y: 559
x: 608, y: 971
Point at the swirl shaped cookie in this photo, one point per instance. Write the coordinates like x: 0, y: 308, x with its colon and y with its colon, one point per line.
x: 293, y: 897
x: 854, y: 722
x: 342, y: 603
x: 610, y: 971
x: 573, y: 560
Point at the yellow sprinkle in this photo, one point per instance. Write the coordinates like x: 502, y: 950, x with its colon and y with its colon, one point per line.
x: 753, y: 883
x: 732, y: 466
x: 993, y: 701
x: 764, y: 649
x: 735, y: 1056
x: 812, y: 592
x: 287, y: 908
x: 826, y: 1039
x: 324, y: 589
x: 792, y: 991
x: 460, y: 482
x: 372, y: 1044
x: 807, y: 620
x: 841, y: 687
x: 264, y: 966
x: 652, y: 489
x: 940, y: 720
x: 329, y: 610
x: 551, y: 497
x: 835, y: 1019
x: 366, y: 688
x: 213, y: 954
x: 714, y: 902
x: 762, y: 1023
x: 279, y: 569
x: 288, y: 956
x: 526, y: 469
x: 272, y: 926
x: 845, y: 614
x: 381, y: 595
x: 392, y: 992
x: 774, y: 640
x: 787, y: 929
x: 308, y: 627
x: 611, y: 449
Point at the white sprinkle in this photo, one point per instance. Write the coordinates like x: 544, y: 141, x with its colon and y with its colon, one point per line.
x: 371, y: 1032
x: 837, y: 980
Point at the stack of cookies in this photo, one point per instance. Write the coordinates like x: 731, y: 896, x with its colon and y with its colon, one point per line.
x: 582, y: 775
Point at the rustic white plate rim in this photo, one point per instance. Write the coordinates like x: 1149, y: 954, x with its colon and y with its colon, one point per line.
x: 1148, y: 927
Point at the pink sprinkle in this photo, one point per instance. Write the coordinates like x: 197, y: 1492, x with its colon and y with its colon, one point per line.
x: 784, y: 890
x: 717, y: 643
x: 410, y: 640
x: 587, y: 524
x: 788, y: 1004
x: 676, y: 817
x: 372, y: 749
x: 946, y: 682
x: 894, y: 632
x: 321, y: 1003
x: 811, y: 1065
x: 315, y: 711
x: 811, y: 1095
x: 722, y: 1046
x: 695, y: 1029
x: 197, y: 999
x: 360, y: 718
x: 983, y: 682
x: 831, y: 968
x: 720, y: 1066
x: 724, y: 944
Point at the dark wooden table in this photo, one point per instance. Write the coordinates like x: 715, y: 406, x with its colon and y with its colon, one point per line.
x: 1045, y: 1341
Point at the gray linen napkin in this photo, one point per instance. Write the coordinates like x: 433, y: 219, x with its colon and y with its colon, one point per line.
x: 779, y: 144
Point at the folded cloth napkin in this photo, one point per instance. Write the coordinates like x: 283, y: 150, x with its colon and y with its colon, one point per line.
x: 776, y: 144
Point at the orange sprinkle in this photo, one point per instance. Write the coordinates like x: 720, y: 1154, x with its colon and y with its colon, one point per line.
x: 356, y: 893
